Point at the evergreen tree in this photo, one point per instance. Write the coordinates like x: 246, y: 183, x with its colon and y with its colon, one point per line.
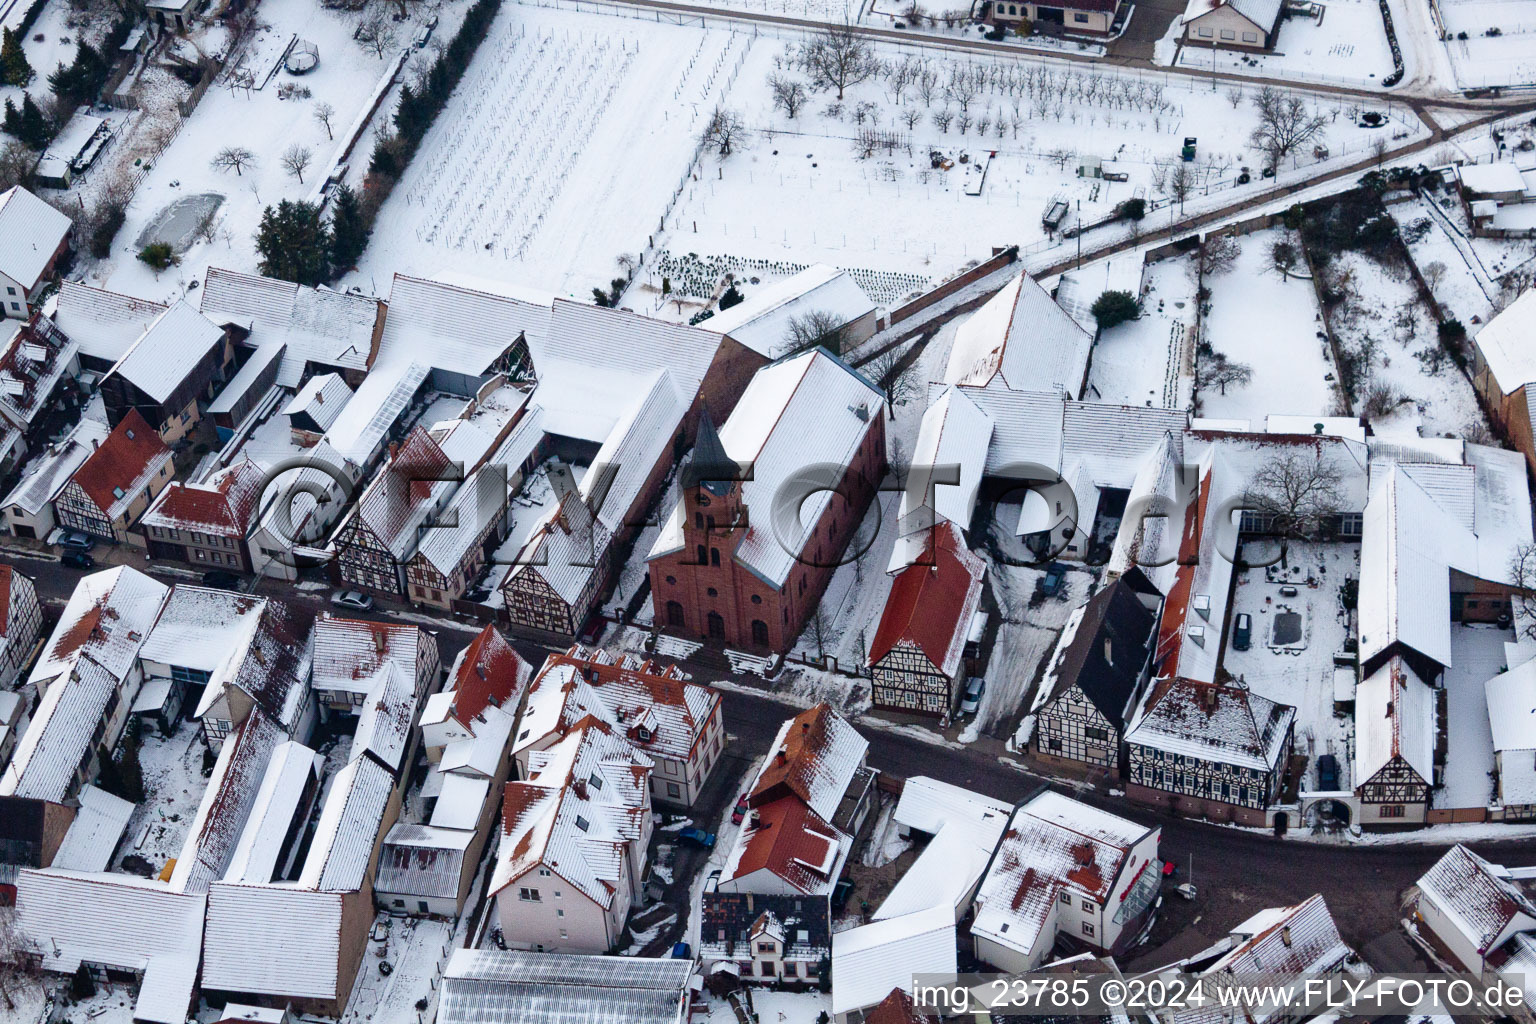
x: 294, y: 243
x: 12, y: 122
x: 78, y: 83
x: 35, y: 130
x: 14, y: 68
x: 349, y: 230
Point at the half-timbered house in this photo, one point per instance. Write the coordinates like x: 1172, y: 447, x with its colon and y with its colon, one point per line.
x: 1097, y: 673
x: 115, y: 486
x: 915, y: 658
x: 207, y: 524
x: 559, y: 572
x: 1394, y: 745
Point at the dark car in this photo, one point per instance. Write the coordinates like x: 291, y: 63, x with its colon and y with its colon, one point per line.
x: 77, y: 559
x: 1328, y: 773
x: 1242, y: 632
x: 1055, y: 575
x: 221, y: 579
x: 697, y: 835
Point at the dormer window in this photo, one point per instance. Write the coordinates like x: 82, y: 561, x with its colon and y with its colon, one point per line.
x: 642, y: 734
x: 597, y: 783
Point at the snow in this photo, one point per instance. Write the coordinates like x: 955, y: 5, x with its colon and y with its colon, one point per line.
x: 856, y: 594
x: 1346, y: 43
x: 773, y: 1006
x: 1288, y: 359
x: 1463, y: 287
x: 1477, y: 654
x: 1148, y: 360
x: 1481, y: 60
x: 885, y: 842
x: 418, y: 949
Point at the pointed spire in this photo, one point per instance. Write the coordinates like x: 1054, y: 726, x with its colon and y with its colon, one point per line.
x: 711, y: 466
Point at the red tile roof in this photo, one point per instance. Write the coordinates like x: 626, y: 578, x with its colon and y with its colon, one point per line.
x: 7, y: 579
x: 491, y: 672
x: 896, y: 1008
x: 815, y: 757
x: 128, y: 456
x: 932, y: 601
x: 389, y: 507
x: 1170, y: 635
x: 223, y: 506
x: 793, y: 842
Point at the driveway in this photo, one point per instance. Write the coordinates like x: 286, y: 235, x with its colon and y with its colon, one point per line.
x: 1148, y: 24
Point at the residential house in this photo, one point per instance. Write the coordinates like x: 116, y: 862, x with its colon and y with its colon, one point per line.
x: 546, y: 988
x: 1097, y: 673
x: 573, y: 843
x: 452, y: 553
x: 208, y: 525
x: 1395, y: 718
x: 35, y: 363
x: 766, y: 320
x: 196, y: 632
x: 270, y: 672
x: 21, y: 624
x: 557, y: 578
x: 1249, y: 25
x: 752, y: 582
x: 1211, y: 750
x: 1503, y: 369
x: 27, y: 511
x: 915, y: 659
x: 170, y: 373
x: 1511, y: 705
x: 351, y: 656
x: 1497, y: 199
x: 1064, y: 870
x: 956, y: 831
x: 33, y: 239
x: 1096, y: 18
x: 875, y: 958
x: 1472, y: 912
x: 315, y: 407
x: 116, y: 483
x: 677, y: 723
x: 765, y: 938
x: 104, y: 325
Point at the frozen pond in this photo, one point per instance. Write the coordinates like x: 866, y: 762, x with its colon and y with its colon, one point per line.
x: 177, y: 223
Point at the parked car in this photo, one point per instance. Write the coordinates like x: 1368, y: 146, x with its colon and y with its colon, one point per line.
x: 1055, y: 575
x: 740, y: 810
x: 422, y: 35
x: 1242, y: 632
x: 974, y: 688
x: 353, y: 599
x: 77, y: 559
x: 840, y: 893
x: 682, y: 951
x: 221, y: 579
x: 694, y: 834
x: 1187, y: 890
x: 712, y: 883
x: 78, y: 541
x: 1328, y: 773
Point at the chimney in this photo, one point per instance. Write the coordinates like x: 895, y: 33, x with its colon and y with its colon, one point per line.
x: 781, y: 757
x: 1202, y: 606
x: 1285, y: 935
x: 394, y: 449
x: 378, y: 641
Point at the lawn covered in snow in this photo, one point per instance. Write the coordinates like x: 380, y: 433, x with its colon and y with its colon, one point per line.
x: 1345, y: 42
x: 1146, y: 361
x: 1270, y: 323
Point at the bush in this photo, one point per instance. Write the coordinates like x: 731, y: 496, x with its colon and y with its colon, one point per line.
x: 294, y: 243
x: 1381, y: 400
x: 109, y: 221
x: 1452, y: 333
x: 1114, y: 307
x: 82, y: 985
x: 159, y: 255
x: 732, y: 297
x: 1132, y: 209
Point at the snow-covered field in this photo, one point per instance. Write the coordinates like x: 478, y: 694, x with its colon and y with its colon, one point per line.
x: 1481, y: 60
x: 1146, y: 360
x: 1346, y: 43
x: 1454, y: 275
x: 1290, y: 362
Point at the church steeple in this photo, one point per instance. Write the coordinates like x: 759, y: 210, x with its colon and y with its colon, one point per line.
x: 710, y: 468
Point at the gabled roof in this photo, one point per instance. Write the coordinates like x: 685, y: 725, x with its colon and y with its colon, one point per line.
x: 108, y: 615
x: 348, y: 827
x: 321, y: 399
x: 273, y: 668
x: 1221, y: 724
x: 223, y: 505
x: 488, y: 672
x: 116, y: 473
x: 1022, y: 335
x: 349, y: 653
x: 1505, y: 344
x: 104, y: 324
x: 314, y: 325
x: 199, y: 627
x: 1114, y: 618
x: 385, y: 719
x: 874, y: 958
x: 47, y: 474
x: 790, y: 841
x: 1512, y: 707
x: 1262, y: 14
x: 814, y: 756
x: 58, y: 737
x: 31, y: 363
x: 586, y: 798
x: 455, y: 328
x: 564, y: 547
x: 1477, y: 896
x: 403, y: 494
x: 729, y: 919
x: 954, y: 432
x: 931, y: 602
x: 761, y: 321
x: 1395, y: 717
x: 490, y: 986
x: 165, y: 353
x: 291, y: 772
x: 30, y: 233
x: 1302, y: 940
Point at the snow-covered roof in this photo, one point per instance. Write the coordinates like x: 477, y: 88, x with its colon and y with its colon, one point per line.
x: 45, y: 476
x: 104, y: 324
x: 292, y: 768
x: 349, y: 653
x: 384, y: 721
x: 279, y: 940
x: 313, y: 325
x: 1052, y: 842
x: 874, y: 958
x: 1498, y: 178
x: 931, y: 602
x: 954, y: 432
x: 273, y: 669
x: 1394, y: 717
x: 614, y: 341
x: 640, y: 439
x: 119, y: 920
x: 1477, y: 896
x: 761, y: 321
x: 107, y: 617
x: 422, y: 861
x: 808, y: 410
x: 1300, y: 941
x: 1405, y: 551
x: 378, y: 402
x: 1219, y: 724
x: 162, y: 356
x: 94, y: 834
x: 321, y: 399
x: 944, y: 874
x: 199, y: 626
x: 460, y: 800
x: 1505, y: 343
x: 348, y: 827
x: 223, y: 505
x: 454, y: 328
x: 584, y: 801
x: 59, y: 736
x: 489, y: 987
x: 566, y: 546
x: 1512, y: 707
x: 242, y: 386
x: 30, y: 233
x: 927, y: 805
x: 487, y: 672
x: 1262, y: 13
x: 814, y: 756
x: 1022, y: 335
x: 788, y: 840
x: 32, y: 361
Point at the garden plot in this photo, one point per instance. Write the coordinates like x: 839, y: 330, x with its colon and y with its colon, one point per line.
x: 1479, y: 59
x: 172, y: 767
x: 1345, y: 42
x: 1406, y: 381
x: 1450, y: 270
x: 1291, y: 373
x: 51, y: 41
x: 558, y: 151
x: 877, y: 180
x: 1290, y: 659
x: 1146, y: 360
x: 267, y: 125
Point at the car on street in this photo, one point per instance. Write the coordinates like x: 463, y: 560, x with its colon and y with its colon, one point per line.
x: 78, y: 541
x: 1328, y: 773
x: 740, y: 811
x: 355, y: 600
x: 221, y: 579
x: 77, y: 559
x: 971, y: 701
x: 712, y: 883
x: 1242, y: 632
x: 697, y: 836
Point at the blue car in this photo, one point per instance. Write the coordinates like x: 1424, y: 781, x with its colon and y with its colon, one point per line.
x: 682, y: 952
x: 699, y: 836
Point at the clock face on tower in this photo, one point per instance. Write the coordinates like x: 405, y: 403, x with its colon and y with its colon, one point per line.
x: 703, y: 499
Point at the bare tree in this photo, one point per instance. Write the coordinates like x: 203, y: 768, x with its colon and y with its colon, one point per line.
x: 910, y: 117
x: 942, y: 119
x: 1379, y: 150
x: 838, y: 58
x: 377, y: 35
x: 789, y: 94
x: 296, y: 160
x: 819, y: 628
x: 895, y: 375
x: 1522, y: 570
x: 235, y: 158
x: 1283, y: 256
x: 724, y: 129
x: 1219, y: 371
x: 1298, y: 491
x: 15, y: 164
x: 1235, y: 96
x: 323, y: 113
x: 1434, y: 272
x: 1285, y: 122
x: 19, y: 970
x: 1217, y: 254
x: 817, y: 327
x: 1181, y: 183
